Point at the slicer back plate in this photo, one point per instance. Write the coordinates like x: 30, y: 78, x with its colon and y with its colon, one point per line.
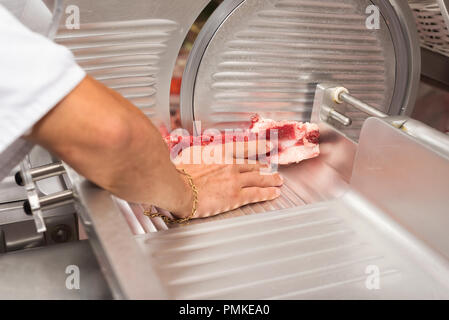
x: 266, y: 57
x: 131, y: 46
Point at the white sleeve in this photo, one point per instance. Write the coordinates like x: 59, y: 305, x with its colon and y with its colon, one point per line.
x: 35, y: 74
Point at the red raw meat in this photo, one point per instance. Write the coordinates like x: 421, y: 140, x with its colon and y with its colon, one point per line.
x: 296, y: 141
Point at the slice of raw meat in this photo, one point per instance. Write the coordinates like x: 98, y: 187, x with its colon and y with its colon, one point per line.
x: 296, y: 141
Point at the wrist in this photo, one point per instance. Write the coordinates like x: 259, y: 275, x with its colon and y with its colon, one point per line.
x: 187, y: 199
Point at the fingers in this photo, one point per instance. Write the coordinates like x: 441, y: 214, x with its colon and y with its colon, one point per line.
x: 242, y: 168
x: 228, y: 153
x: 251, y: 149
x: 255, y: 179
x: 255, y: 194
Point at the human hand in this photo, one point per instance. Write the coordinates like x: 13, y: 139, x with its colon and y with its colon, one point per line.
x: 222, y: 187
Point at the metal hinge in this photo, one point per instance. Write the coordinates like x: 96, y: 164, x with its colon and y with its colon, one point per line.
x: 35, y: 204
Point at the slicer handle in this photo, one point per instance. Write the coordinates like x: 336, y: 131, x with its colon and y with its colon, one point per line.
x: 429, y: 136
x: 50, y: 201
x: 40, y: 173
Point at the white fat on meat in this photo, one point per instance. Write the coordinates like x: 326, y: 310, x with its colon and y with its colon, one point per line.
x: 297, y: 141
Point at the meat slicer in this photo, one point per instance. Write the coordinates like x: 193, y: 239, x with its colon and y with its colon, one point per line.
x: 367, y: 219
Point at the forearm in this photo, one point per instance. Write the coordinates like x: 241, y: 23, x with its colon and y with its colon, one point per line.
x: 113, y: 144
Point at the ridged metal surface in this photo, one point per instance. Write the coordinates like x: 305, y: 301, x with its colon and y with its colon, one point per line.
x: 138, y: 222
x: 432, y: 27
x: 305, y: 183
x: 331, y: 248
x: 124, y: 55
x: 307, y: 253
x: 268, y: 57
x: 289, y: 199
x: 297, y: 191
x: 334, y: 247
x: 141, y: 224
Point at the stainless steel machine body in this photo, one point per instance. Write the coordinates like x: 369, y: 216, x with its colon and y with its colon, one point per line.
x: 356, y: 208
x: 373, y: 203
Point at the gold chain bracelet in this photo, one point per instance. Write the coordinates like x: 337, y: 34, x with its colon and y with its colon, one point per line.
x: 166, y: 219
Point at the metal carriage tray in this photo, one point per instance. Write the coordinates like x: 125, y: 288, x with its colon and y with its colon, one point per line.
x: 366, y: 220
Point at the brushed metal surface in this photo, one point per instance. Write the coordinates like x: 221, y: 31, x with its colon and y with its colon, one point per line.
x: 324, y: 250
x: 132, y: 46
x: 416, y: 193
x: 10, y: 191
x: 40, y: 273
x: 321, y: 251
x: 39, y: 16
x: 318, y: 239
x: 125, y: 268
x: 124, y: 55
x: 19, y: 230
